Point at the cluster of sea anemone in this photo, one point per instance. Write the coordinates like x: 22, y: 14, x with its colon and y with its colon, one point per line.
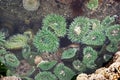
x: 41, y: 56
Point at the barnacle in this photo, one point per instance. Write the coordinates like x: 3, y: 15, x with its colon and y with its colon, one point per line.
x: 45, y: 76
x: 63, y: 72
x: 69, y: 53
x: 78, y: 28
x: 46, y: 41
x: 16, y: 42
x: 113, y: 33
x: 95, y: 38
x: 11, y: 60
x: 55, y: 23
x: 46, y: 65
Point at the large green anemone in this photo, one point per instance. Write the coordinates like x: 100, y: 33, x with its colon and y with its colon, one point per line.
x: 113, y: 33
x: 55, y: 23
x: 78, y: 28
x: 16, y: 42
x: 45, y: 76
x: 11, y: 60
x: 46, y: 41
x: 95, y: 38
x: 63, y: 72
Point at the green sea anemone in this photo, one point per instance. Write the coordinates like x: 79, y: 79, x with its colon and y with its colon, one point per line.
x: 3, y: 52
x: 89, y: 56
x: 55, y: 23
x: 78, y: 28
x: 107, y: 57
x: 26, y: 52
x: 46, y: 65
x: 63, y: 72
x: 113, y: 33
x: 107, y: 21
x: 112, y: 47
x: 45, y: 76
x: 92, y: 4
x: 2, y: 39
x: 46, y: 41
x: 69, y: 53
x: 95, y: 38
x: 95, y: 25
x: 16, y: 42
x: 78, y: 65
x: 11, y: 60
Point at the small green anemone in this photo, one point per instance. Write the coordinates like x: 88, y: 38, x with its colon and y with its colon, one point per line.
x: 11, y: 60
x: 95, y: 38
x: 92, y: 4
x: 16, y: 42
x: 78, y: 65
x: 3, y: 52
x: 78, y: 28
x: 2, y: 39
x: 46, y: 65
x: 107, y: 21
x: 69, y: 53
x: 90, y: 55
x: 113, y: 33
x: 63, y: 72
x: 46, y: 41
x: 112, y: 47
x: 45, y: 76
x: 55, y: 23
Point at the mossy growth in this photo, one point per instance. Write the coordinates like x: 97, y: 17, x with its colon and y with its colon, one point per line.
x: 78, y: 65
x: 55, y: 23
x: 78, y: 28
x: 112, y: 47
x: 45, y: 76
x: 2, y: 39
x: 90, y: 55
x: 46, y: 41
x: 47, y: 65
x: 92, y: 4
x: 11, y: 60
x: 16, y: 42
x: 113, y: 33
x: 69, y: 53
x: 95, y: 37
x: 63, y: 72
